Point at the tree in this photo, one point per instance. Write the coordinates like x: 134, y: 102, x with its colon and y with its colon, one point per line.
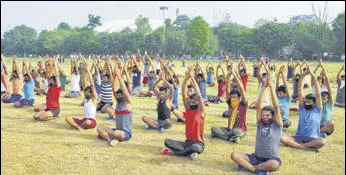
x: 175, y: 42
x: 272, y: 37
x: 182, y: 22
x: 19, y: 40
x: 339, y: 33
x: 198, y: 36
x: 168, y: 23
x: 247, y: 40
x: 213, y: 43
x: 143, y: 25
x: 229, y: 39
x: 127, y: 30
x: 64, y: 26
x: 94, y: 21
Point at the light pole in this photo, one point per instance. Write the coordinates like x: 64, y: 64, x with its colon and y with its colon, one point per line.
x: 163, y: 8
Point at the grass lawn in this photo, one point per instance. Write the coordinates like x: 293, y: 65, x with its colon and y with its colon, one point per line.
x: 31, y: 147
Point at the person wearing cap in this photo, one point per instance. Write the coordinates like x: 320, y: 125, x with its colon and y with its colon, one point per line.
x: 164, y: 106
x: 308, y: 133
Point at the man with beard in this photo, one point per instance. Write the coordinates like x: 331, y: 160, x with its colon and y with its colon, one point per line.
x: 269, y: 131
x: 28, y: 88
x: 308, y: 132
x: 123, y: 116
x: 164, y: 106
x: 17, y: 81
x: 52, y: 106
x: 194, y: 124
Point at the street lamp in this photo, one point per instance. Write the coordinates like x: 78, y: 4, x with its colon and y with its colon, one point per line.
x: 163, y: 8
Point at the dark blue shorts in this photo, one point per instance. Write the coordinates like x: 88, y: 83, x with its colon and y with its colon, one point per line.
x: 302, y: 139
x: 160, y: 122
x: 127, y: 135
x: 27, y: 102
x: 255, y: 160
x: 14, y: 98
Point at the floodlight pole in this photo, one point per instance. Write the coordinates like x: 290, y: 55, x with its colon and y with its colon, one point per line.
x: 163, y: 8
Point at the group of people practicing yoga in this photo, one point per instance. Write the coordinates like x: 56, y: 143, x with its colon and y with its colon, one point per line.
x: 101, y: 83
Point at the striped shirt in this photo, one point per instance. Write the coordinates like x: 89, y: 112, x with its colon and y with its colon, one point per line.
x: 106, y: 92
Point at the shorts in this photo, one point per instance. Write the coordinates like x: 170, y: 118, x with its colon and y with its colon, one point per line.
x: 14, y: 98
x: 80, y: 121
x: 24, y: 102
x: 127, y: 135
x: 255, y: 160
x: 328, y: 133
x: 302, y: 139
x: 74, y: 94
x: 102, y: 104
x: 145, y: 80
x: 136, y: 89
x: 55, y: 112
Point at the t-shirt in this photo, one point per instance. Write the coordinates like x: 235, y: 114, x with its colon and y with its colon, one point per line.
x: 326, y: 113
x: 52, y: 98
x: 123, y: 118
x: 340, y: 95
x: 240, y: 121
x: 295, y: 88
x: 29, y: 90
x: 244, y: 80
x: 136, y: 79
x: 75, y: 82
x: 268, y: 140
x: 106, y: 92
x: 284, y: 104
x: 221, y: 89
x: 194, y: 125
x: 89, y: 110
x: 203, y: 88
x: 309, y: 122
x: 210, y: 77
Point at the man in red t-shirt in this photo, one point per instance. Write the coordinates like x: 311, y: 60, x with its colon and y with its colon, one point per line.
x: 194, y: 124
x: 52, y: 108
x: 236, y: 114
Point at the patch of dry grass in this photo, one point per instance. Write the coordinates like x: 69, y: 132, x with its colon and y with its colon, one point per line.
x: 30, y: 147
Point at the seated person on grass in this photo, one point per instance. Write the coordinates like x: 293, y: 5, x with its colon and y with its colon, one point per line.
x: 51, y: 109
x: 261, y: 80
x: 28, y: 88
x: 210, y: 75
x: 164, y: 106
x: 236, y: 114
x: 17, y: 81
x: 283, y: 97
x: 151, y: 81
x: 75, y: 79
x: 269, y: 130
x: 221, y: 87
x: 4, y: 79
x: 123, y: 116
x: 310, y: 115
x: 327, y: 124
x: 340, y: 93
x: 89, y: 120
x: 194, y: 124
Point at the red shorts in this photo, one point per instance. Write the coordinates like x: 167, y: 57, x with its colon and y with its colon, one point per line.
x: 145, y: 80
x: 80, y: 121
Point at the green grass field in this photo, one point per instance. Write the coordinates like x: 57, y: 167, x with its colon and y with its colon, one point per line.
x: 31, y: 147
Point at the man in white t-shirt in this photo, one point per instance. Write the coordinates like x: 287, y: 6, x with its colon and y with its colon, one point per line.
x: 75, y: 88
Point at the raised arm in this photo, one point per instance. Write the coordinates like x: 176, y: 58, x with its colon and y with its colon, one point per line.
x: 242, y: 91
x: 260, y: 100
x: 341, y: 69
x: 318, y: 90
x: 285, y: 84
x: 127, y: 95
x: 170, y: 88
x: 57, y: 75
x: 330, y: 92
x: 277, y: 114
x: 92, y: 85
x: 27, y: 70
x: 156, y: 92
x: 184, y: 90
x: 217, y: 72
x: 300, y: 87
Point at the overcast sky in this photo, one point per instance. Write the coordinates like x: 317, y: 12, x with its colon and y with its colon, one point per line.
x: 47, y: 15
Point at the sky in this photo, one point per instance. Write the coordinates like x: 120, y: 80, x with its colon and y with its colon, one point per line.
x: 47, y: 15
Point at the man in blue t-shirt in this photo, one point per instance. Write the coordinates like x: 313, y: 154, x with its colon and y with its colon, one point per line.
x: 308, y: 132
x: 29, y: 86
x: 283, y: 98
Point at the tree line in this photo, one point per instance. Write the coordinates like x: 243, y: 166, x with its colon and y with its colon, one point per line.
x: 304, y: 36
